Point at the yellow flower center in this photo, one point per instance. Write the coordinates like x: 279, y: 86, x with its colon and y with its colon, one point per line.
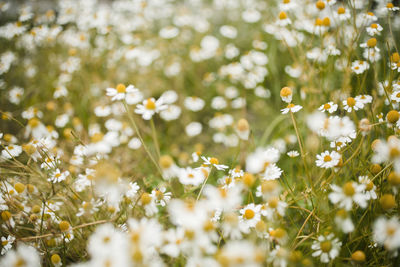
x: 374, y: 26
x: 371, y: 42
x: 282, y: 15
x: 369, y: 186
x: 214, y: 161
x: 351, y: 102
x: 33, y: 123
x: 341, y: 10
x: 121, y: 88
x: 285, y: 92
x: 320, y: 5
x: 327, y: 106
x: 389, y: 5
x: 97, y: 137
x: 390, y: 231
x: 326, y: 246
x: 145, y: 198
x: 248, y: 214
x: 273, y: 202
x: 327, y: 158
x: 150, y: 104
x: 348, y: 189
x: 159, y: 195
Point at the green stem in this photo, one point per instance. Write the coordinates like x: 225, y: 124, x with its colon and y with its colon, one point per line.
x: 140, y: 137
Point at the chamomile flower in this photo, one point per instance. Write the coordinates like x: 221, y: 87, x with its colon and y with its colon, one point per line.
x: 58, y: 176
x: 161, y: 196
x: 351, y: 104
x: 24, y: 254
x: 274, y: 208
x: 328, y: 159
x: 16, y: 95
x: 292, y: 108
x: 329, y: 107
x: 283, y: 19
x: 359, y: 66
x: 189, y: 176
x: 11, y: 151
x: 286, y: 94
x: 350, y: 193
x: 194, y: 103
x: 250, y: 215
x: 120, y: 92
x: 342, y: 14
x: 6, y: 243
x: 213, y: 162
x: 370, y: 187
x: 293, y: 153
x: 374, y: 29
x: 344, y: 222
x: 386, y: 232
x: 149, y: 107
x: 89, y: 207
x: 326, y: 248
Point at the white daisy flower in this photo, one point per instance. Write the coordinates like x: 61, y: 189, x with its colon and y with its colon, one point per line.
x: 213, y: 162
x: 328, y: 159
x: 386, y: 232
x: 326, y: 247
x: 369, y: 187
x: 351, y: 104
x: 329, y: 107
x: 291, y: 108
x: 350, y: 193
x: 194, y: 103
x: 374, y: 29
x: 293, y: 153
x: 344, y: 222
x: 120, y: 92
x: 359, y: 66
x: 6, y: 243
x: 189, y: 176
x: 149, y: 107
x: 272, y: 172
x: 250, y: 215
x: 283, y: 19
x: 11, y: 151
x: 58, y: 176
x: 161, y: 196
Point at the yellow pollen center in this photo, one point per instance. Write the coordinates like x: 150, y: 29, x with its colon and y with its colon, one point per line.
x: 248, y: 214
x: 327, y: 158
x: 121, y: 88
x: 214, y: 161
x: 341, y: 10
x: 327, y: 106
x: 348, y: 189
x: 326, y: 246
x: 351, y: 102
x: 282, y: 15
x: 291, y: 105
x: 150, y: 104
x: 97, y: 137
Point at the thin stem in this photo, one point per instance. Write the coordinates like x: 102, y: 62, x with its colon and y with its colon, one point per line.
x: 140, y: 137
x: 202, y: 186
x: 154, y: 133
x: 303, y: 156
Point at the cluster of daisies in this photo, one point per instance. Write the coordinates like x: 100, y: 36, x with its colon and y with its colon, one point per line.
x: 153, y: 133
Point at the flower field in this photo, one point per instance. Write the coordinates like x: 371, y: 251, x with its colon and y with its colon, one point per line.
x: 197, y: 133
